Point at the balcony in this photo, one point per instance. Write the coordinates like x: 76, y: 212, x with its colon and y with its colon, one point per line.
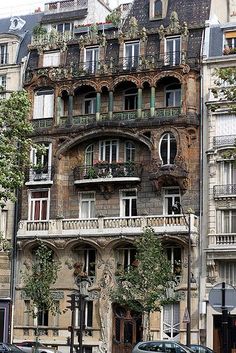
x: 228, y: 190
x: 220, y: 141
x: 222, y: 240
x: 103, y: 172
x: 65, y: 6
x: 40, y: 175
x: 110, y: 226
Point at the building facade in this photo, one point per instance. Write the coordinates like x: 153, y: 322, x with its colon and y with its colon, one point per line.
x: 15, y: 34
x: 118, y: 111
x: 219, y: 173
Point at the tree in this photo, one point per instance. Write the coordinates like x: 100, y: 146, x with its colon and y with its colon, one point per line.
x: 14, y: 143
x: 143, y: 287
x: 38, y: 280
x: 226, y: 88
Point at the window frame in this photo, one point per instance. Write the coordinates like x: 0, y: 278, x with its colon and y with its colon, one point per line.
x: 173, y: 197
x: 168, y: 152
x: 40, y: 107
x: 51, y: 59
x: 93, y: 100
x: 174, y: 92
x: 176, y: 59
x: 3, y: 53
x: 131, y: 149
x: 134, y: 58
x: 222, y: 220
x: 90, y: 201
x: 227, y: 175
x: 173, y: 323
x: 127, y: 95
x: 102, y: 150
x: 95, y: 59
x: 130, y: 198
x: 31, y: 205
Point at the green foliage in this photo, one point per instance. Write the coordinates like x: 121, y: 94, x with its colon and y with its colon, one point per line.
x: 114, y: 17
x: 38, y: 30
x: 143, y: 286
x: 226, y: 88
x: 38, y: 280
x: 5, y: 245
x: 14, y: 143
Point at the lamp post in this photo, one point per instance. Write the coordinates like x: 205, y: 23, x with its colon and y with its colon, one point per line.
x: 178, y: 207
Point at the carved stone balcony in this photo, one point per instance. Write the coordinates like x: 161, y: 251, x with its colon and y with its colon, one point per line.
x: 112, y: 226
x: 103, y: 172
x: 228, y: 140
x: 228, y: 190
x: 222, y: 241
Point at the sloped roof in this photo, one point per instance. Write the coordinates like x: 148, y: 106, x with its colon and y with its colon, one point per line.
x: 23, y: 31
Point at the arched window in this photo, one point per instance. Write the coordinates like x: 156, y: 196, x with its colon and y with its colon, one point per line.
x: 129, y: 151
x: 89, y: 155
x: 168, y: 148
x: 173, y: 95
x: 158, y: 8
x: 130, y: 99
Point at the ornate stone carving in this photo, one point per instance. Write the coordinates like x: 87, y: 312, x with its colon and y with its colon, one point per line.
x: 174, y: 27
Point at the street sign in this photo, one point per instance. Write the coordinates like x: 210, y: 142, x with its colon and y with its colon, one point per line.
x: 186, y: 318
x: 216, y: 295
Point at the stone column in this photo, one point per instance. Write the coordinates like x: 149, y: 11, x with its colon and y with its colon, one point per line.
x: 152, y: 101
x: 59, y: 110
x: 110, y: 105
x: 139, y: 111
x: 98, y: 105
x: 70, y: 111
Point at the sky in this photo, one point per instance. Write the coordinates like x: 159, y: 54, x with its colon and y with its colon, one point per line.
x: 19, y: 7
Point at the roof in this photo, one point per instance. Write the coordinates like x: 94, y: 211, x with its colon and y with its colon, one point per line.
x: 21, y: 26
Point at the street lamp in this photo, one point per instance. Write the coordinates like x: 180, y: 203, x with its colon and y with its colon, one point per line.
x: 177, y: 207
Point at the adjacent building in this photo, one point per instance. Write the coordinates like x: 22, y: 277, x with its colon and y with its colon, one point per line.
x: 218, y: 229
x: 15, y: 34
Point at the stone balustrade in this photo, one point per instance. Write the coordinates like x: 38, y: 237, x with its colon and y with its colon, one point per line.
x: 108, y: 226
x: 222, y: 240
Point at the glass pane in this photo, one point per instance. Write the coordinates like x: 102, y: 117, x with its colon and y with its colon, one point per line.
x: 233, y: 221
x: 84, y: 209
x: 128, y: 332
x: 164, y: 150
x: 127, y: 208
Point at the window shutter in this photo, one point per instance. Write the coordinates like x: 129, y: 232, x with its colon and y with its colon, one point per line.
x: 48, y: 105
x: 38, y: 107
x: 225, y: 125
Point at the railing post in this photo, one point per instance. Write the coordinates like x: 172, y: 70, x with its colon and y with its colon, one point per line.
x: 139, y: 112
x: 110, y: 105
x: 100, y: 222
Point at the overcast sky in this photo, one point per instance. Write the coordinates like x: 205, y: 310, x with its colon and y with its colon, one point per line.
x: 19, y: 7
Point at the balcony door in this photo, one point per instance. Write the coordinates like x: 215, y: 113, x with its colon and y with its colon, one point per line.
x: 126, y: 329
x: 131, y: 55
x: 91, y: 59
x: 172, y: 51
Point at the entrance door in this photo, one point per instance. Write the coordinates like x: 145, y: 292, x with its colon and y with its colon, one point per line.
x: 4, y: 321
x: 218, y: 334
x: 126, y: 329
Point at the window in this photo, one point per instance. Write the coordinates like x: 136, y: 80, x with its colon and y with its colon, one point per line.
x: 230, y: 39
x: 91, y: 59
x: 174, y: 256
x: 88, y: 314
x: 125, y: 257
x: 3, y: 54
x: 38, y: 201
x: 171, y: 197
x: 41, y: 159
x: 172, y: 51
x: 27, y: 313
x: 87, y: 205
x: 129, y: 151
x: 225, y: 126
x: 227, y: 173
x: 63, y: 27
x: 3, y: 83
x: 3, y: 222
x: 89, y: 155
x: 173, y: 96
x: 43, y: 104
x: 108, y: 151
x: 131, y: 55
x: 171, y: 320
x: 226, y: 221
x: 51, y: 59
x: 227, y: 272
x: 158, y: 8
x: 90, y: 103
x: 130, y: 99
x: 43, y: 318
x: 87, y: 260
x: 128, y: 203
x: 168, y: 148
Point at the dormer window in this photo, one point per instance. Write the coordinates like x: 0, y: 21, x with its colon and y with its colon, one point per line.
x: 131, y: 59
x: 158, y: 8
x: 230, y: 42
x: 172, y: 51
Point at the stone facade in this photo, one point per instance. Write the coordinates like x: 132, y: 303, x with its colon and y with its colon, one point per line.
x: 119, y: 114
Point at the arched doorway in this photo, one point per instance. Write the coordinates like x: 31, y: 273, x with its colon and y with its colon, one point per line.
x: 127, y: 329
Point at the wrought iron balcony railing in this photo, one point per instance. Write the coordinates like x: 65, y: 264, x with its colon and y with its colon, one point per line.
x: 224, y: 190
x: 109, y: 171
x: 227, y: 140
x: 39, y: 174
